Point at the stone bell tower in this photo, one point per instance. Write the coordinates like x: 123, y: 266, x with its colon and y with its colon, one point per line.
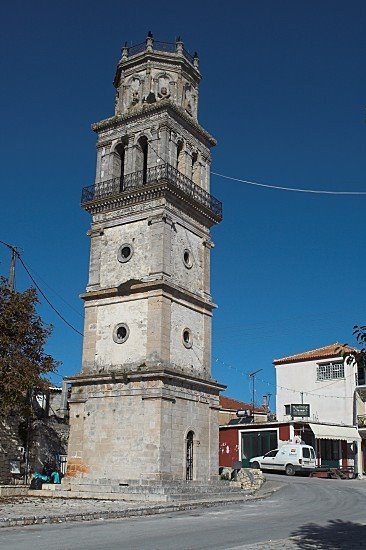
x: 144, y: 407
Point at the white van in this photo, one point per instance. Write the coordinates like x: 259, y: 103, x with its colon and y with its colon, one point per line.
x: 290, y: 458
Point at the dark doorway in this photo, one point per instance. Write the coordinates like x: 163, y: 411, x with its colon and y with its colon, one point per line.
x: 189, y: 456
x: 257, y: 443
x: 329, y: 452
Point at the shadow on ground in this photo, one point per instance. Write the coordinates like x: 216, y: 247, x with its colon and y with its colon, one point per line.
x: 336, y: 535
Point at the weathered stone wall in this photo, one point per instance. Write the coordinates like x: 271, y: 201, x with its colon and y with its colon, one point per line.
x: 47, y: 436
x: 131, y: 352
x: 188, y: 278
x: 112, y: 271
x: 138, y: 431
x: 189, y: 358
x: 10, y: 440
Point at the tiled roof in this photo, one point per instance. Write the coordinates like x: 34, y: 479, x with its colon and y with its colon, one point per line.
x: 233, y: 404
x: 332, y: 350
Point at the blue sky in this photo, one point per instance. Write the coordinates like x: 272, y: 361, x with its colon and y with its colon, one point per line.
x: 284, y: 93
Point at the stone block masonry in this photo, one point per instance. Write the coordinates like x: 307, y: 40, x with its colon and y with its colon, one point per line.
x: 144, y: 408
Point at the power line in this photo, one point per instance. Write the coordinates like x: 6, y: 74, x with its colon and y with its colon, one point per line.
x: 246, y: 374
x: 276, y: 187
x: 293, y: 189
x: 47, y: 300
x: 56, y: 293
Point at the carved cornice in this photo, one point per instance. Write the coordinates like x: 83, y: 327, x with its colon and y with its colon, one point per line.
x: 163, y: 287
x: 151, y: 192
x: 164, y: 104
x: 148, y: 373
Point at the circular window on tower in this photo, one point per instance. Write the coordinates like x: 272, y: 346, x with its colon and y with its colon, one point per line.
x: 187, y: 338
x: 125, y: 252
x: 187, y: 258
x: 121, y: 333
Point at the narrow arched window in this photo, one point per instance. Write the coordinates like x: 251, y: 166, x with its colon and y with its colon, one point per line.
x: 142, y: 156
x: 120, y: 160
x: 189, y: 456
x: 179, y: 164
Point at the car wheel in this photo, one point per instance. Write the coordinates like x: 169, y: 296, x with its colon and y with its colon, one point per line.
x: 290, y: 470
x: 255, y: 465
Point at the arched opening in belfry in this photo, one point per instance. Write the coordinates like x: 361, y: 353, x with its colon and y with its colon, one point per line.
x: 120, y: 164
x: 142, y: 156
x: 189, y: 456
x: 180, y: 157
x: 195, y: 168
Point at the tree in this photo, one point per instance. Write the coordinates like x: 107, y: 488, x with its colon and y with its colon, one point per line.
x: 23, y: 361
x: 360, y: 354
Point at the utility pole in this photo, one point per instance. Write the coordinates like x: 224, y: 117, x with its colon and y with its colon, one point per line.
x: 14, y: 254
x: 252, y: 376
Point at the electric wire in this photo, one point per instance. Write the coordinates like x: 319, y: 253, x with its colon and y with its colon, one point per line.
x: 56, y: 293
x: 292, y: 189
x: 45, y: 297
x: 273, y: 384
x: 276, y: 187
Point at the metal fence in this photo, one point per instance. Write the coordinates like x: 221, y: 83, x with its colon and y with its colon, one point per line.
x: 155, y: 174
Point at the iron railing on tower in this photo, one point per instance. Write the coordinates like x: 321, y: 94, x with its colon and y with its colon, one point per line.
x: 159, y: 46
x: 155, y: 174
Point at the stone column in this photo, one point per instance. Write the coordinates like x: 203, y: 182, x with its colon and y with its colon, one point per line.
x: 207, y: 339
x: 129, y: 156
x: 94, y: 261
x: 164, y: 144
x: 158, y: 329
x: 207, y: 245
x: 188, y: 161
x: 153, y: 149
x: 63, y: 405
x: 89, y: 340
x: 180, y: 89
x: 160, y: 242
x: 197, y: 171
x: 147, y: 87
x: 207, y: 167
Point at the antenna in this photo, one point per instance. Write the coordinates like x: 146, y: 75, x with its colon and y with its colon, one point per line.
x: 252, y: 376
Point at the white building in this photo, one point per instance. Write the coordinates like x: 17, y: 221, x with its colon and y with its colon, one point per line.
x: 324, y: 389
x: 321, y: 378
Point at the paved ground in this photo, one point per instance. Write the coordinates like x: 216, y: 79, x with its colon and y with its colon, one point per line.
x: 305, y: 513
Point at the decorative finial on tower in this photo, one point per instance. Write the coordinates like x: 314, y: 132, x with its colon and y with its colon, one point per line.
x: 124, y: 52
x: 196, y: 60
x: 179, y: 45
x: 149, y: 41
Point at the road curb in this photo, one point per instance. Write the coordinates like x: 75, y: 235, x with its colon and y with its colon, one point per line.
x: 113, y: 514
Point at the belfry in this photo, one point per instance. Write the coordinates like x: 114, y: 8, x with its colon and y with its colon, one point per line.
x: 144, y: 408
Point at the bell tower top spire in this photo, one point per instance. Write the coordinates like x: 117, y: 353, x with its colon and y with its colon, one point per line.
x: 154, y: 71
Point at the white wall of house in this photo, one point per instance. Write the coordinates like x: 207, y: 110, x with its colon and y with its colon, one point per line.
x: 331, y: 400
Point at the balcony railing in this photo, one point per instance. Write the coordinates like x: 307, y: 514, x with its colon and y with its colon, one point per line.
x: 169, y: 47
x: 155, y: 174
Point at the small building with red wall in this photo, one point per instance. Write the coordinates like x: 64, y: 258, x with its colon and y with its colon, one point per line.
x: 335, y: 445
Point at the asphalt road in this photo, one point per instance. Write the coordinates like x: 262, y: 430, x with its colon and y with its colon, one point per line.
x: 304, y: 513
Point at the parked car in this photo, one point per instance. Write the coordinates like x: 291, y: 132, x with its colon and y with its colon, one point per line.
x: 290, y: 458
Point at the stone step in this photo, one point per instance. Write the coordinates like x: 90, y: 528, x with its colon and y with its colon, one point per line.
x: 160, y: 489
x: 134, y: 497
